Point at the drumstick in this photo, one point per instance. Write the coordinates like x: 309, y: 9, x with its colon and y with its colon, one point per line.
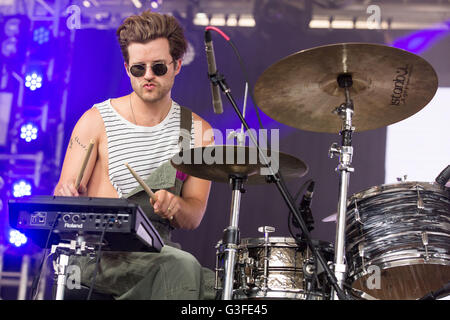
x: 142, y: 183
x: 83, y: 166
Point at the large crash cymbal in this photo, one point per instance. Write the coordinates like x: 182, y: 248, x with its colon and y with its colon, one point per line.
x: 218, y: 163
x: 389, y: 85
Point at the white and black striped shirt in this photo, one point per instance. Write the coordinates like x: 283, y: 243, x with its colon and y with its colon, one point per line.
x: 143, y: 148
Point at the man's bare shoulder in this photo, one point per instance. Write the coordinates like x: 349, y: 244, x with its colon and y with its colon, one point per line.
x: 91, y: 116
x: 204, y: 123
x: 204, y: 134
x: 90, y: 123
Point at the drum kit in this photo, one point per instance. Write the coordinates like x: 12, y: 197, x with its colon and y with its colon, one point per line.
x: 392, y: 241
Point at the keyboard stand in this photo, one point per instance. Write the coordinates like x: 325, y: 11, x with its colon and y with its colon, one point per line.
x: 63, y: 251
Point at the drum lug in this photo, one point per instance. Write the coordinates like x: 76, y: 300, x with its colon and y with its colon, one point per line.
x: 248, y: 267
x: 243, y: 276
x: 425, y: 244
x: 420, y: 204
x: 266, y: 230
x: 357, y: 216
x: 361, y: 254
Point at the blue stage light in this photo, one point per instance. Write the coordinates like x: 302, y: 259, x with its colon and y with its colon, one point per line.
x: 13, y: 32
x: 17, y: 238
x: 155, y: 4
x: 28, y: 132
x: 33, y: 81
x: 21, y: 188
x: 41, y: 35
x: 9, y: 47
x: 420, y: 41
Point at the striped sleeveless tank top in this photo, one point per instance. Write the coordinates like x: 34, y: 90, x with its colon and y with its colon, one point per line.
x: 143, y: 148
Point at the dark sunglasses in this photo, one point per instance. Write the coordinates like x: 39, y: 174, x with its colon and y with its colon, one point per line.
x: 158, y: 69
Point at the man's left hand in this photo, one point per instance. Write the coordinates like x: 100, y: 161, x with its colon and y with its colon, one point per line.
x: 167, y: 205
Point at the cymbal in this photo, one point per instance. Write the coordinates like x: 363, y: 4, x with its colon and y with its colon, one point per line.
x: 218, y: 163
x: 389, y: 85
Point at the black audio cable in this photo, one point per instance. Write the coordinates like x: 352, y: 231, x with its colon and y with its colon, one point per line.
x: 97, y: 261
x: 37, y: 277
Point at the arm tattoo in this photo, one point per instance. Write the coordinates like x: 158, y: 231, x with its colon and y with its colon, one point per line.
x: 77, y: 140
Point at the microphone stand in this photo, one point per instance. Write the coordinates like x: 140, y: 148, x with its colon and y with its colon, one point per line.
x: 219, y: 79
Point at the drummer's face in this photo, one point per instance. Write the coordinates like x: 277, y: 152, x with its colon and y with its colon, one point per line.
x: 150, y: 87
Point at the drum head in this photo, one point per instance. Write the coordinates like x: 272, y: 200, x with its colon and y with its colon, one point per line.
x: 281, y: 242
x: 409, y: 282
x: 273, y: 241
x: 396, y: 187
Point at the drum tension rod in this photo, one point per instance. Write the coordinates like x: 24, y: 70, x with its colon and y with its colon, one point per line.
x: 266, y: 230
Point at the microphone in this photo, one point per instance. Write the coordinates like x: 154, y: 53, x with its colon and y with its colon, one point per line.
x: 212, y: 72
x: 306, y: 201
x: 305, y: 207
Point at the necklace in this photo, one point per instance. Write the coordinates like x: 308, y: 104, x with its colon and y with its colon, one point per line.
x: 134, y: 118
x: 132, y: 112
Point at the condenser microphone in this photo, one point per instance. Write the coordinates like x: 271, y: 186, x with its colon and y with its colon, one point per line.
x: 212, y: 72
x: 306, y: 201
x: 305, y: 206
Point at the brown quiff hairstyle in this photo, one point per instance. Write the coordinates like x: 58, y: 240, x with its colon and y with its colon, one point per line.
x: 150, y: 26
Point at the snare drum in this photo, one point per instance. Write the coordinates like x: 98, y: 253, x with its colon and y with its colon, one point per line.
x: 398, y: 240
x: 279, y: 269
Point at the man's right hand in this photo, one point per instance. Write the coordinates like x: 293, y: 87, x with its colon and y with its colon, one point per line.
x: 68, y: 189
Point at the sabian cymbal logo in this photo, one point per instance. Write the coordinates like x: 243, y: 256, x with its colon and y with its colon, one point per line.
x: 401, y: 81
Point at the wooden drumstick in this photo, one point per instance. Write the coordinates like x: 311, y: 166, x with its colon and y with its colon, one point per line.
x: 142, y: 183
x: 83, y: 166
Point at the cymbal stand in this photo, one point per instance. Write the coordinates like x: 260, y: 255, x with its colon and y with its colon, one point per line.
x: 240, y: 135
x: 231, y: 237
x: 345, y: 152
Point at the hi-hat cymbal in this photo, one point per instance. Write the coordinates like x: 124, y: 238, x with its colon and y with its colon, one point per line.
x: 218, y: 163
x: 389, y: 85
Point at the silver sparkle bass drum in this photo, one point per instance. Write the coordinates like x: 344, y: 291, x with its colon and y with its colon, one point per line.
x: 398, y: 240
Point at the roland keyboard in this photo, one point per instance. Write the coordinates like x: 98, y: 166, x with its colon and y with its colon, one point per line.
x: 125, y: 225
